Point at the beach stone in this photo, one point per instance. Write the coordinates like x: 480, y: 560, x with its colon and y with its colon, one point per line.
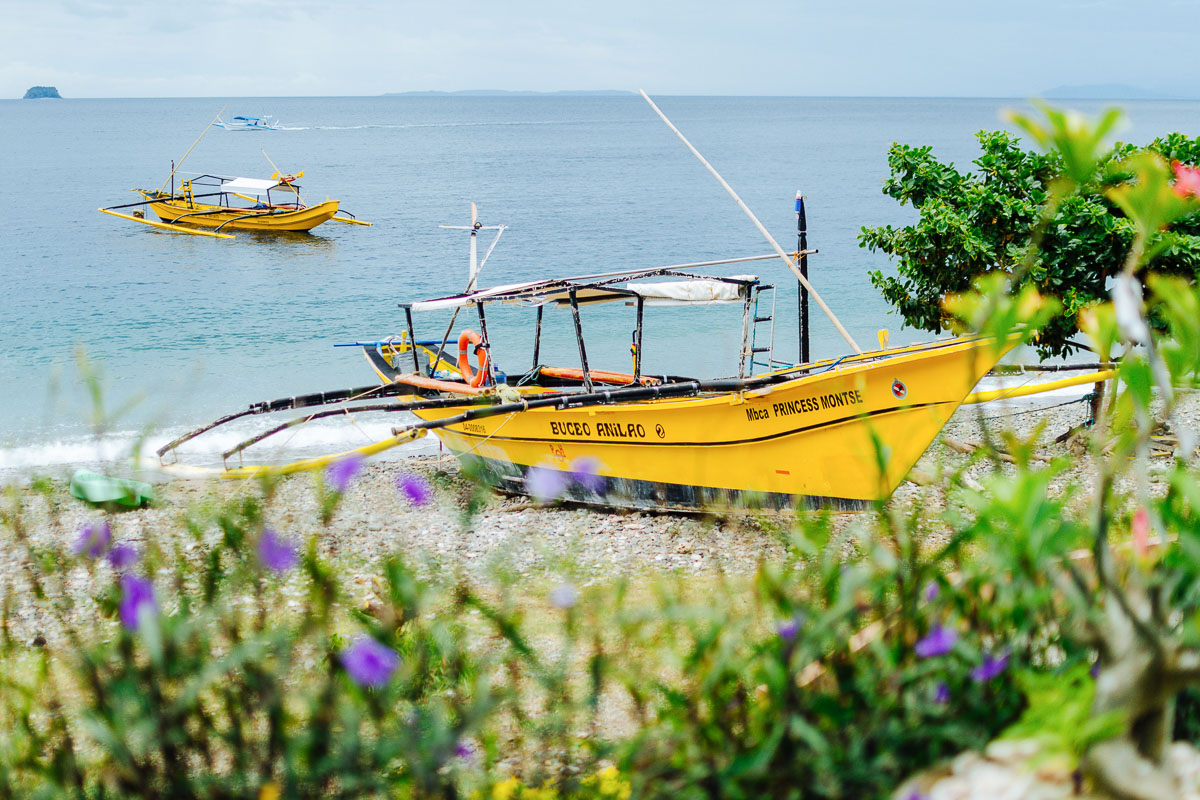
x: 1014, y: 770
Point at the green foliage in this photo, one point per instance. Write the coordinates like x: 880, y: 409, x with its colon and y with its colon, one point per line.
x: 228, y: 696
x: 839, y: 669
x: 1078, y: 141
x: 1063, y: 222
x: 812, y: 713
x: 1060, y: 714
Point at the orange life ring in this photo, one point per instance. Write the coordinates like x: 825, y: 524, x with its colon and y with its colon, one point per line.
x: 470, y: 337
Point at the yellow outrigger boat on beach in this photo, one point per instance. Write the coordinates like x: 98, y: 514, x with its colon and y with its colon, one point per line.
x: 835, y: 433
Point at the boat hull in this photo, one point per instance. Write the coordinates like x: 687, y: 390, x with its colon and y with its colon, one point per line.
x: 842, y: 438
x: 211, y: 216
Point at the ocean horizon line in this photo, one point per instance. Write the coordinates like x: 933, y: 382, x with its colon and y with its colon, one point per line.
x: 517, y: 94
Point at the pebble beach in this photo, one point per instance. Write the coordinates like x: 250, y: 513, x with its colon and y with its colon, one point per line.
x: 541, y: 546
x: 535, y: 541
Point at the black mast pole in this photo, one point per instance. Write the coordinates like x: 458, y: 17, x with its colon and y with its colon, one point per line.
x: 802, y: 300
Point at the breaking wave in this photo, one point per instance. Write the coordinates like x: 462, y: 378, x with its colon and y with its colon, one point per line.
x: 120, y: 449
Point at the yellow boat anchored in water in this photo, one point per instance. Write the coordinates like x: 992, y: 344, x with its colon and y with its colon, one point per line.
x: 222, y: 204
x: 225, y: 204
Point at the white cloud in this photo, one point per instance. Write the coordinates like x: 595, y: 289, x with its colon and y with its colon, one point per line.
x: 99, y: 48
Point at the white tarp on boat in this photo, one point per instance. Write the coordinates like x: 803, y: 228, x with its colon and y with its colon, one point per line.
x: 697, y: 291
x: 256, y: 185
x: 603, y: 289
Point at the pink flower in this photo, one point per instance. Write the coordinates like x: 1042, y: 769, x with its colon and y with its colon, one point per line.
x: 1141, y: 532
x: 1187, y: 180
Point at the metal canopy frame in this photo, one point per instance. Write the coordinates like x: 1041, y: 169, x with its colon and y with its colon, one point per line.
x: 540, y: 292
x: 571, y: 292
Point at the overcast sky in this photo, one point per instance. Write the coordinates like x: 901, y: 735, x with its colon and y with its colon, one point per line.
x: 266, y: 48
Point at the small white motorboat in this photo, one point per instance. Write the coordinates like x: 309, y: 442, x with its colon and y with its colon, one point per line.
x: 266, y: 123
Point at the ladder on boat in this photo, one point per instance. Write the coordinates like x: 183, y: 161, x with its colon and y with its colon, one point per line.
x: 755, y: 319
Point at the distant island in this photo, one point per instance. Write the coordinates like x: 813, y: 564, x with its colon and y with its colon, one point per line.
x: 38, y: 92
x: 506, y: 93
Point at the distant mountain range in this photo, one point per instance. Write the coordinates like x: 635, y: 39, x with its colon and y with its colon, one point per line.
x: 1108, y: 91
x: 506, y: 93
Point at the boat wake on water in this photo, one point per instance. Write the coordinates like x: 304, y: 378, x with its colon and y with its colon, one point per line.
x: 408, y: 125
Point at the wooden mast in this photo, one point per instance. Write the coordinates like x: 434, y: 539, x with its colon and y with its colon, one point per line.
x: 770, y: 239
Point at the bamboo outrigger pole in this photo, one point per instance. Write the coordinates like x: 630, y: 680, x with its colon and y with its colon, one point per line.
x: 770, y: 239
x: 170, y: 226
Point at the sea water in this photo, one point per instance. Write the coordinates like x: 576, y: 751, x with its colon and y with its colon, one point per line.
x: 116, y: 333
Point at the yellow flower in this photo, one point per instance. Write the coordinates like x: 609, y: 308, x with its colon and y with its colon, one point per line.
x: 505, y: 789
x: 512, y: 789
x: 269, y: 791
x: 610, y: 784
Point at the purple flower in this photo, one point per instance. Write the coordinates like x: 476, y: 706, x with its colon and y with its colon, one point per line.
x: 464, y: 750
x: 94, y: 538
x: 585, y: 472
x: 564, y: 596
x: 788, y: 629
x: 991, y: 667
x: 938, y: 642
x: 917, y: 796
x: 1095, y: 670
x: 137, y: 600
x: 122, y: 556
x: 339, y: 474
x: 545, y: 484
x: 941, y: 695
x: 931, y: 591
x: 369, y: 663
x: 415, y: 489
x: 275, y: 552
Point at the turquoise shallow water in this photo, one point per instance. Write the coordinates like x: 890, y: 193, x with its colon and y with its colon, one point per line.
x: 183, y: 329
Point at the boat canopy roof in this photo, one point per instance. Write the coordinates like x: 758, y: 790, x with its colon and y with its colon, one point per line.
x: 247, y: 184
x: 681, y: 288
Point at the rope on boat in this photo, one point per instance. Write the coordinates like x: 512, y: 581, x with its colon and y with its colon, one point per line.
x: 1087, y: 398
